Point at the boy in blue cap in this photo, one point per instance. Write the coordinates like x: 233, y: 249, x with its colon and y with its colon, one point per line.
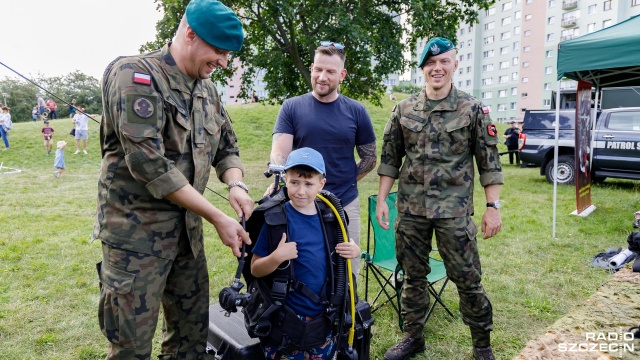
x: 305, y: 177
x: 163, y: 130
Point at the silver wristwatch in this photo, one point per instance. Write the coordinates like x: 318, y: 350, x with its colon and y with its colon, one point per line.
x: 242, y: 185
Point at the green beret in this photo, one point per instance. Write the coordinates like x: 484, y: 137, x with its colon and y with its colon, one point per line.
x: 216, y: 24
x: 435, y: 46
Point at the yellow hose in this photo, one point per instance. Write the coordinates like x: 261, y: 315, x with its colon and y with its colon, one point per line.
x: 352, y: 302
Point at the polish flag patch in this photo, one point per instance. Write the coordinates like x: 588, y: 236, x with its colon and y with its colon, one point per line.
x: 485, y: 109
x: 140, y: 78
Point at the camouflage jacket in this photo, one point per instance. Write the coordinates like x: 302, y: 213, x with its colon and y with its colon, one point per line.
x: 160, y: 131
x: 437, y: 144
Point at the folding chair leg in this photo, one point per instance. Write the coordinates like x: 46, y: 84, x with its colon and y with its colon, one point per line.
x: 438, y: 299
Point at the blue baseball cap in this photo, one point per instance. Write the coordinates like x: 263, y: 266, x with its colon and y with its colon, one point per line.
x: 306, y: 156
x: 216, y: 24
x: 435, y: 46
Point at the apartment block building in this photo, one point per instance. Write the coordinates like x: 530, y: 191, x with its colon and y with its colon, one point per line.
x: 508, y: 60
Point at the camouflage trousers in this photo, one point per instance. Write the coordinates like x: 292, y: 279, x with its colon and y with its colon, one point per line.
x: 133, y: 286
x: 456, y: 241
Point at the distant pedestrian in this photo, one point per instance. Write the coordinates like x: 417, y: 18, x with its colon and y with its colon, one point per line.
x: 72, y: 108
x: 47, y: 132
x: 58, y: 162
x: 34, y: 114
x: 53, y: 109
x: 41, y: 106
x: 511, y: 135
x: 5, y: 126
x: 82, y: 128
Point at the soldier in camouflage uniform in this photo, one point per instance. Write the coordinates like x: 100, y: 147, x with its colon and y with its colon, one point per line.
x: 162, y: 131
x: 438, y: 132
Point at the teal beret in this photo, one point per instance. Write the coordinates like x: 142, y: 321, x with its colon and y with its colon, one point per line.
x: 216, y: 24
x: 435, y: 46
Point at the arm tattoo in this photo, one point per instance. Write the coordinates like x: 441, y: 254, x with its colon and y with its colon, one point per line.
x: 277, y: 158
x: 368, y: 157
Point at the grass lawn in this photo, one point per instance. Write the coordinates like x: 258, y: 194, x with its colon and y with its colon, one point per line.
x: 49, y: 286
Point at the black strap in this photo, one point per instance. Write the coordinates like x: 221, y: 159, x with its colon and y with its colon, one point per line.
x: 636, y: 265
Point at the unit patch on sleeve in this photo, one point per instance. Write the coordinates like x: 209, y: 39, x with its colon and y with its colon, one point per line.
x: 485, y: 109
x: 491, y: 130
x: 143, y: 107
x: 140, y: 78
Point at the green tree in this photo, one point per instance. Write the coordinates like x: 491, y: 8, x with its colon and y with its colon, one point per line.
x: 281, y: 36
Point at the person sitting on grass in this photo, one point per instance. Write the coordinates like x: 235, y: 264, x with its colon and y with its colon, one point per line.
x: 58, y: 162
x: 305, y: 177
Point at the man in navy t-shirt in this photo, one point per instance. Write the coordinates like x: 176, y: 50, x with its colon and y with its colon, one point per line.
x: 334, y: 125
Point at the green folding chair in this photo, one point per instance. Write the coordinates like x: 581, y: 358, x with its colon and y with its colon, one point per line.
x: 380, y: 261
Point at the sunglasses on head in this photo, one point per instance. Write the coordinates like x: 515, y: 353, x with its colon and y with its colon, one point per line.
x: 331, y: 43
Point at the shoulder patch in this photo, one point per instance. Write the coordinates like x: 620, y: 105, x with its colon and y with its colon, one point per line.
x: 140, y: 78
x: 485, y: 109
x: 491, y: 130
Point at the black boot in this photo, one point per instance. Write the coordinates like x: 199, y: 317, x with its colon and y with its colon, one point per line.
x: 406, y: 348
x: 483, y: 353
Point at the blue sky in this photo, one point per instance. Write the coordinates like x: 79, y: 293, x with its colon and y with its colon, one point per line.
x: 57, y: 37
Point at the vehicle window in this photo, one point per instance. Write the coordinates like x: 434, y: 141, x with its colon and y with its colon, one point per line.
x: 624, y: 121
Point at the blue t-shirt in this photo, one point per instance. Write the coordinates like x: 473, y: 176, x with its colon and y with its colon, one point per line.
x: 310, y: 267
x: 334, y: 130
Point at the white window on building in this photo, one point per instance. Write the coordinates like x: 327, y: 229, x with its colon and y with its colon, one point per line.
x: 490, y: 25
x: 517, y: 15
x: 461, y: 45
x: 469, y: 42
x: 606, y: 23
x: 506, y: 21
x: 548, y: 70
x: 506, y: 6
x: 550, y: 37
x: 527, y: 32
x: 491, y: 11
x: 502, y: 107
x: 504, y: 50
x: 515, y: 60
x: 552, y: 3
x: 488, y: 40
x: 607, y: 5
x: 504, y: 64
x: 546, y: 102
x: 525, y: 79
x: 502, y: 93
x: 469, y: 56
x: 549, y: 53
x: 462, y: 31
x: 505, y: 35
x: 468, y: 69
x: 488, y: 54
x: 516, y: 45
x: 487, y: 95
x: 524, y: 95
x: 504, y: 79
x: 635, y: 2
x: 459, y: 84
x: 513, y: 105
x: 514, y: 91
x: 547, y: 86
x: 487, y: 67
x: 551, y: 20
x: 514, y: 76
x: 487, y: 81
x: 461, y: 57
x: 525, y: 64
x: 468, y: 82
x: 516, y: 29
x: 592, y: 9
x: 591, y: 27
x: 528, y: 17
x: 460, y: 71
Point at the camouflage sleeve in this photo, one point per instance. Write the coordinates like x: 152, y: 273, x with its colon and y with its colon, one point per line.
x: 135, y: 112
x: 392, y: 147
x: 228, y: 154
x: 486, y: 150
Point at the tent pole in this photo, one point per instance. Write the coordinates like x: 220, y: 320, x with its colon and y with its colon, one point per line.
x: 555, y: 159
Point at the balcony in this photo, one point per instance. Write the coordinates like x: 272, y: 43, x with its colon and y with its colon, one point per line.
x: 569, y: 22
x: 569, y: 4
x: 566, y: 37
